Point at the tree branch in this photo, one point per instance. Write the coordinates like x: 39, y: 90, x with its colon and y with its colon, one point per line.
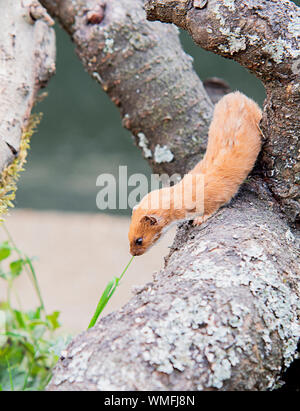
x: 145, y: 72
x: 221, y: 315
x: 27, y: 63
x: 264, y: 38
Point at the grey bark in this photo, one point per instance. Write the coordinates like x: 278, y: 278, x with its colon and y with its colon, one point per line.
x: 223, y: 313
x: 262, y: 36
x: 27, y: 54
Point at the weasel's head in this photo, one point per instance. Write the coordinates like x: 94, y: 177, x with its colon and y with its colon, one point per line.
x: 145, y: 229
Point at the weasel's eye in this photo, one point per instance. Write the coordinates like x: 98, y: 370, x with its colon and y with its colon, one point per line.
x: 139, y: 241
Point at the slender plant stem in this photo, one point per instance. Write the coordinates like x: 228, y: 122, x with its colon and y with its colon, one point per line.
x: 26, y: 377
x: 28, y: 268
x: 10, y: 376
x: 35, y: 282
x: 125, y: 269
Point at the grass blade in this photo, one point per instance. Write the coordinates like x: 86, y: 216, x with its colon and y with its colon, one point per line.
x: 102, y: 303
x: 107, y: 294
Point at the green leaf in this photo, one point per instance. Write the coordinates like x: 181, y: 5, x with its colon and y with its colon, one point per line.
x: 5, y: 250
x: 15, y: 335
x: 35, y: 323
x: 21, y: 318
x: 16, y: 267
x: 102, y: 303
x: 53, y: 319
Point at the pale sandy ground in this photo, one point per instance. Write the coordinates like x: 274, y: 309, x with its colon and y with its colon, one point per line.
x: 77, y: 254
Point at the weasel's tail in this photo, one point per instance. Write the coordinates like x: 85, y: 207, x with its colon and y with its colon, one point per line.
x: 233, y: 145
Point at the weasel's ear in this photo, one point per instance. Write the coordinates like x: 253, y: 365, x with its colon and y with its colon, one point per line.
x: 149, y: 219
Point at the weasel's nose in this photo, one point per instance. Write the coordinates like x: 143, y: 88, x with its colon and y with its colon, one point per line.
x: 133, y: 251
x: 136, y: 251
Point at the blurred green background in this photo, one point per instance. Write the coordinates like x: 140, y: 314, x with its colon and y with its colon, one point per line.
x: 81, y: 136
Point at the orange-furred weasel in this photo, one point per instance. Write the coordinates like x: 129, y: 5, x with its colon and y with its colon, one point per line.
x: 234, y: 141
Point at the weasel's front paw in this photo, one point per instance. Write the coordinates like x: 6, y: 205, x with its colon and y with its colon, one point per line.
x: 200, y: 220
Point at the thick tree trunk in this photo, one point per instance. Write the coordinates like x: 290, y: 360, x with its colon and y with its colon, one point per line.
x: 143, y: 68
x: 27, y: 62
x: 223, y: 313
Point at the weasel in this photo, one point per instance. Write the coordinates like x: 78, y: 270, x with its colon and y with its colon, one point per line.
x: 234, y: 141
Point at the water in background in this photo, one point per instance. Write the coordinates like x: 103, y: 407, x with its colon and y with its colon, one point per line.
x: 81, y: 136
